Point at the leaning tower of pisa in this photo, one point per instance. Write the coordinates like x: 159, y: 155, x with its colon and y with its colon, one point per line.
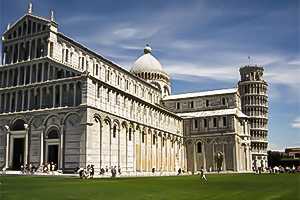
x: 254, y: 93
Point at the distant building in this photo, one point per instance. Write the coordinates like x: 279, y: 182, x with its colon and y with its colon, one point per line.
x: 291, y: 153
x: 64, y: 103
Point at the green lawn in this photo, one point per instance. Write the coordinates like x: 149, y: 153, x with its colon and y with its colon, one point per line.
x: 218, y: 186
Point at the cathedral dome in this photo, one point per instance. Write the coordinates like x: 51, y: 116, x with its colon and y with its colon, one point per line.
x: 147, y: 63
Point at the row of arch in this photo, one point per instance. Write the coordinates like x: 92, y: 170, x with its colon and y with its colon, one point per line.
x: 33, y: 73
x: 255, y: 100
x: 41, y: 97
x: 135, y: 147
x: 259, y: 123
x: 153, y: 76
x: 261, y: 112
x: 99, y: 69
x: 258, y: 88
x: 25, y: 49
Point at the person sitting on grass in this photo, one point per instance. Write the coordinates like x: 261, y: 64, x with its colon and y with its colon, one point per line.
x: 202, y: 174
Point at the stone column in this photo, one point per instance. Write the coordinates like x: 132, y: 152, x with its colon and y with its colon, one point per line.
x: 23, y: 97
x: 26, y: 143
x: 161, y: 152
x: 36, y: 72
x: 204, y: 155
x: 16, y: 100
x: 28, y: 98
x: 224, y: 158
x: 10, y: 101
x: 101, y: 143
x: 195, y: 156
x: 61, y: 150
x: 140, y: 144
x: 13, y: 77
x: 43, y: 71
x: 18, y: 58
x: 42, y: 147
x: 13, y: 54
x: 2, y: 80
x: 53, y: 99
x: 48, y: 74
x: 53, y: 73
x: 74, y: 100
x: 30, y: 49
x: 134, y: 148
x: 30, y: 74
x: 5, y: 102
x: 18, y: 81
x: 25, y: 74
x: 41, y: 97
x: 7, y: 146
x: 60, y: 95
x: 35, y: 47
x: 7, y: 81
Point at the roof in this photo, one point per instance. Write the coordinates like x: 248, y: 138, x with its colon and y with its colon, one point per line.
x: 147, y: 63
x: 201, y: 94
x: 211, y: 113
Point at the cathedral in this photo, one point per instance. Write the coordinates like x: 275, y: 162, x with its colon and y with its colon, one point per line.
x: 61, y: 102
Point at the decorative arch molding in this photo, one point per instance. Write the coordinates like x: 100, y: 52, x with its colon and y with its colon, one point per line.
x: 218, y: 154
x: 18, y: 117
x: 228, y: 140
x: 116, y: 122
x: 218, y: 140
x: 51, y: 127
x: 97, y: 118
x: 199, y: 140
x: 107, y: 121
x: 50, y: 116
x: 189, y: 142
x: 69, y: 114
x: 124, y: 125
x: 36, y: 122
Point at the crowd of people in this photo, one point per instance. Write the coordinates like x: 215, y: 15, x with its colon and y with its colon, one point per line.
x: 89, y: 171
x: 277, y: 170
x: 44, y: 168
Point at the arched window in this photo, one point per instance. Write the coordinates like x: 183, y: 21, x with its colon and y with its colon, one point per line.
x: 67, y: 55
x: 114, y: 131
x: 199, y: 147
x: 53, y: 134
x: 129, y: 134
x: 97, y: 68
x: 18, y: 125
x: 153, y: 140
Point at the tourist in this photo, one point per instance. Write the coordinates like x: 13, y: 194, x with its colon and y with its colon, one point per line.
x: 32, y: 169
x: 179, y: 171
x: 92, y: 171
x: 202, y: 174
x: 25, y: 169
x: 119, y: 169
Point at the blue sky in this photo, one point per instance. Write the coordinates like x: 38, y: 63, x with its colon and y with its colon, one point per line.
x: 201, y: 44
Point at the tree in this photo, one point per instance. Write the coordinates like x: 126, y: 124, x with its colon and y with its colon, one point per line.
x: 274, y: 158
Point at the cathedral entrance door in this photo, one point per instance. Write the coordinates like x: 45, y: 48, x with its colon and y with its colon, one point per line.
x: 53, y: 154
x: 219, y: 163
x: 218, y: 160
x: 18, y: 153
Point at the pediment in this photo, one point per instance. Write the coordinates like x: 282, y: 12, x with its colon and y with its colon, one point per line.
x: 28, y: 24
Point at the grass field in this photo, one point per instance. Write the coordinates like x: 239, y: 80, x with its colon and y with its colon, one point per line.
x: 218, y: 186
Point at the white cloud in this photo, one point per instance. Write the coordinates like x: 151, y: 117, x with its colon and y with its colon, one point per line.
x: 296, y: 123
x: 125, y: 33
